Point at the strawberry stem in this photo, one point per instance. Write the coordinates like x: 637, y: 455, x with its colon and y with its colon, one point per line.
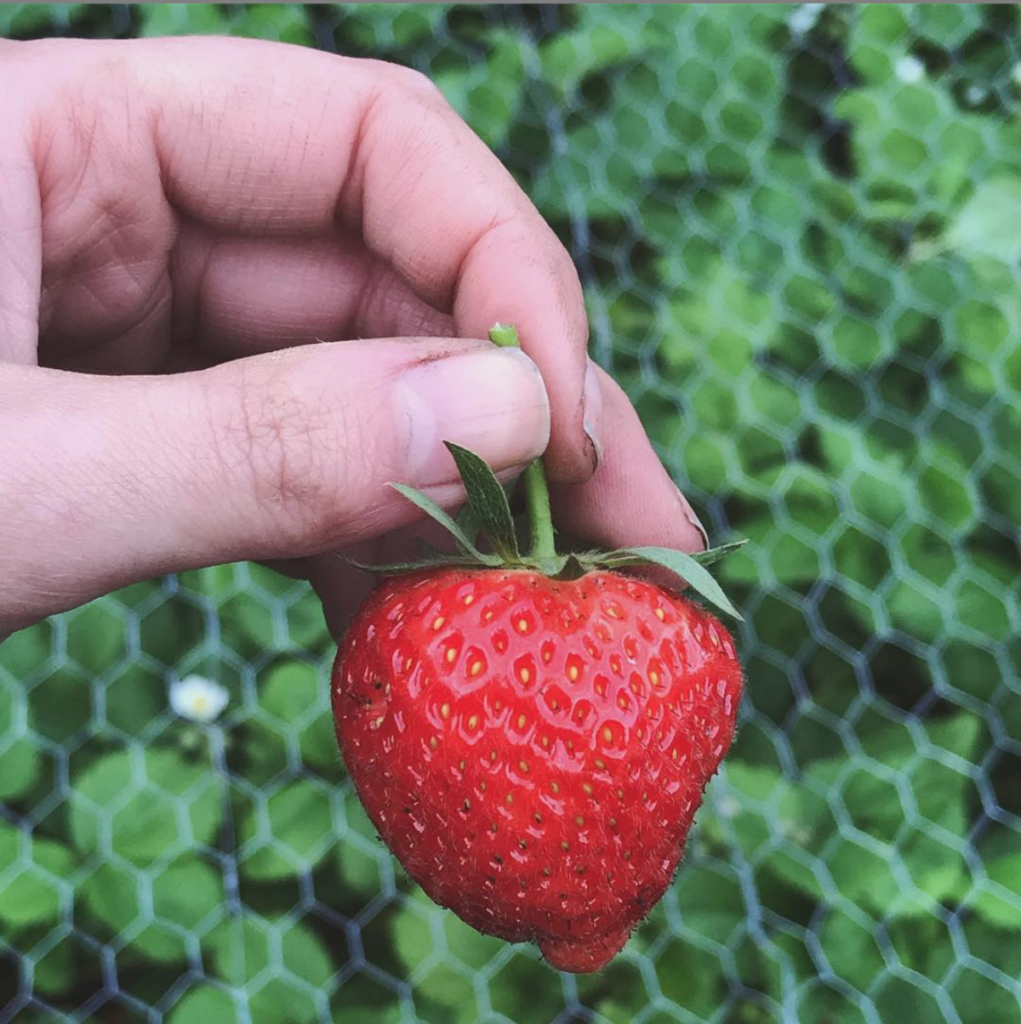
x: 533, y: 479
x: 539, y: 515
x: 504, y: 336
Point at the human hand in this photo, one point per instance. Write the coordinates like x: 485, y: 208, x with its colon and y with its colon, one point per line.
x: 181, y: 221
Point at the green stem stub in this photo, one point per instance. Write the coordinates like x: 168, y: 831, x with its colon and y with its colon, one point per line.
x: 488, y: 512
x: 504, y: 336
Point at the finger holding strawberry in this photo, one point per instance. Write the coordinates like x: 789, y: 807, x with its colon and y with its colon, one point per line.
x: 531, y: 734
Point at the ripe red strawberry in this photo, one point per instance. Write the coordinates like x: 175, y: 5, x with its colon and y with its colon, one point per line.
x: 531, y: 735
x: 534, y: 750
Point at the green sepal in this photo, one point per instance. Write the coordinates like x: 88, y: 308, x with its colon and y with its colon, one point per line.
x: 487, y: 501
x: 431, y: 509
x: 427, y: 550
x: 487, y: 512
x: 466, y: 520
x: 421, y: 564
x: 694, y: 574
x: 715, y: 554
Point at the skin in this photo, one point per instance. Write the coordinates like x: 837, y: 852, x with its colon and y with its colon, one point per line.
x: 218, y: 260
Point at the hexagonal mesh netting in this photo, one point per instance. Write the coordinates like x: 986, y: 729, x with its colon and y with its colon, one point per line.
x: 799, y: 229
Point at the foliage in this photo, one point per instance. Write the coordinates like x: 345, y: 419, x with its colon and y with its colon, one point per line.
x: 798, y: 230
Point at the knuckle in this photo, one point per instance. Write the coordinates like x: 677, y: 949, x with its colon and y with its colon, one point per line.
x: 419, y: 83
x: 416, y: 79
x: 413, y: 83
x: 284, y: 448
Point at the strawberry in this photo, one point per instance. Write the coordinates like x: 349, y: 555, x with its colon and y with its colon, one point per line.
x: 531, y: 736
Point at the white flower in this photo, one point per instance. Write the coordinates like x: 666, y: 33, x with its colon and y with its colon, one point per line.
x: 1015, y: 75
x: 198, y: 698
x: 909, y: 69
x: 803, y: 18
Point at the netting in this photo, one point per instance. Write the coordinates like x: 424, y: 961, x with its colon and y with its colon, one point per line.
x: 799, y: 228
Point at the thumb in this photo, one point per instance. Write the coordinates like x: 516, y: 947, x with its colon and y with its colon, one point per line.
x: 109, y: 480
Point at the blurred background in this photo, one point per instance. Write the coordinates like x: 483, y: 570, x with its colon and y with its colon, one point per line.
x: 799, y: 230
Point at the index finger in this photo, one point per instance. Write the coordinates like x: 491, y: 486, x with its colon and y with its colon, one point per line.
x: 261, y: 138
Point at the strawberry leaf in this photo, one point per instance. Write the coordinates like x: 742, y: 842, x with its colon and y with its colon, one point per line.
x: 420, y: 564
x: 696, y: 576
x: 427, y: 550
x: 715, y: 554
x: 430, y: 508
x: 466, y: 520
x: 487, y: 501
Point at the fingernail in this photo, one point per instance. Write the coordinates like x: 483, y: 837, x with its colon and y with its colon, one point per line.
x: 491, y: 401
x: 593, y: 409
x: 689, y: 514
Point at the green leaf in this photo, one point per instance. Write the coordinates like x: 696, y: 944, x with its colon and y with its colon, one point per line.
x: 360, y: 854
x: 55, y: 972
x: 264, y: 752
x: 998, y: 947
x: 149, y: 806
x: 710, y: 902
x: 185, y: 895
x: 96, y: 635
x: 111, y: 895
x: 244, y: 947
x: 651, y: 124
x: 188, y: 893
x: 683, y: 565
x: 287, y: 23
x: 247, y: 623
x: 466, y: 520
x: 691, y: 979
x: 851, y: 950
x: 488, y: 501
x: 306, y: 625
x: 31, y: 20
x: 792, y: 561
x: 61, y: 704
x: 19, y: 758
x: 470, y: 947
x: 204, y: 1004
x: 24, y: 653
x: 427, y: 550
x: 273, y: 963
x: 31, y: 892
x: 487, y: 92
x: 605, y: 36
x: 374, y: 27
x: 421, y: 564
x: 175, y: 20
x: 135, y: 697
x: 171, y: 629
x: 430, y: 508
x: 240, y: 948
x: 292, y: 694
x: 447, y: 994
x: 305, y: 956
x: 989, y: 223
x: 301, y: 827
x: 998, y: 899
x: 712, y: 555
x: 412, y: 934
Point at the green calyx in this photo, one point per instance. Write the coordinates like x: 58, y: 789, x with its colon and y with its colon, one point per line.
x: 488, y: 513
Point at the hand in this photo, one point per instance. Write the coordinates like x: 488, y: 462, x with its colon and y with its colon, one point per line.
x: 181, y: 221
